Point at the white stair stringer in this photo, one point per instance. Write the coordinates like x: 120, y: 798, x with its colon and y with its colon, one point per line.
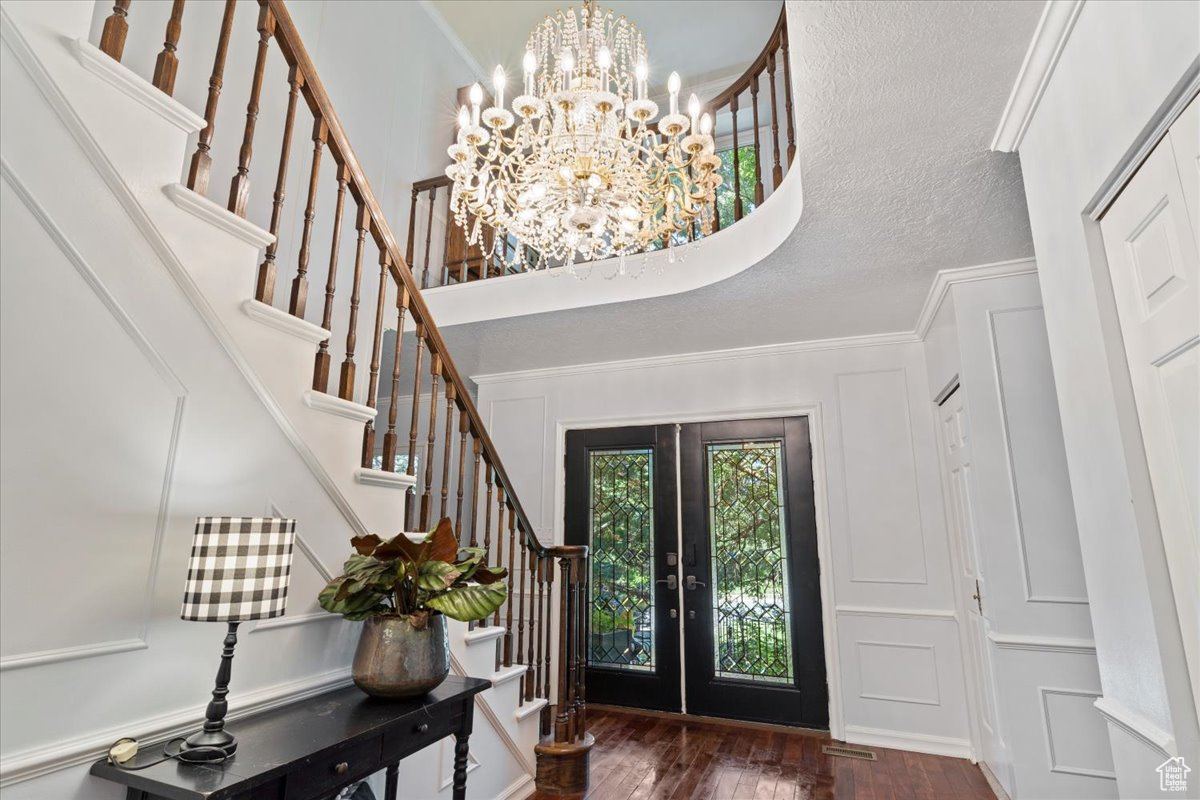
x: 212, y: 255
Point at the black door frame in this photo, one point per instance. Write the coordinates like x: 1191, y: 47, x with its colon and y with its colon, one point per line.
x: 656, y: 690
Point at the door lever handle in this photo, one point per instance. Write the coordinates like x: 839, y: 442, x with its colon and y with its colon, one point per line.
x: 691, y: 583
x: 671, y: 581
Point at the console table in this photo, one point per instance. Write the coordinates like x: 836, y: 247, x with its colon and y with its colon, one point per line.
x: 310, y: 749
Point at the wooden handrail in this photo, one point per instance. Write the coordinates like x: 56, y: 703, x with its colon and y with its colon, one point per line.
x: 757, y: 66
x: 313, y: 91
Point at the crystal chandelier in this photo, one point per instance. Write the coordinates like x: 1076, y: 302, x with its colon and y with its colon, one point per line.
x: 584, y: 174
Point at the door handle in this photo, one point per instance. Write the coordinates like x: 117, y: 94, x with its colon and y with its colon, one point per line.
x: 691, y: 583
x: 671, y: 581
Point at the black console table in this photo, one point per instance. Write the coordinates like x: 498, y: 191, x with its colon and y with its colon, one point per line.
x: 310, y: 749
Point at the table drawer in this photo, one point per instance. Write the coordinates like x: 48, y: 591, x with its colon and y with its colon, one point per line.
x: 334, y: 769
x: 418, y: 733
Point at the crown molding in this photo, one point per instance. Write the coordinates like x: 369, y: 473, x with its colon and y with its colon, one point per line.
x: 1049, y: 39
x: 948, y: 277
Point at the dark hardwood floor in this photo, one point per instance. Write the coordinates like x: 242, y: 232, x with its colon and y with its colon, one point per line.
x: 638, y: 756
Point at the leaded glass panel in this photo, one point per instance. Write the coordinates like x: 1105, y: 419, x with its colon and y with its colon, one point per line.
x: 621, y: 522
x: 748, y: 528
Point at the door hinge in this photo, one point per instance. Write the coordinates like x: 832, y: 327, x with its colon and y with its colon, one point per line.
x: 977, y: 598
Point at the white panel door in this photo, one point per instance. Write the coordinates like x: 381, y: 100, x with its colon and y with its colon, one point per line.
x: 1150, y: 236
x: 954, y: 440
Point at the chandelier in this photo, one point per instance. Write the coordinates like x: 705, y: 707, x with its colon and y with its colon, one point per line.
x: 581, y: 172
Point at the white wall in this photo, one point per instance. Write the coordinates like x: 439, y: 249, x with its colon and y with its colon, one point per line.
x: 884, y: 548
x: 1094, y: 112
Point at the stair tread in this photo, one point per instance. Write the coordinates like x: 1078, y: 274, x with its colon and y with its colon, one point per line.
x: 480, y: 635
x: 530, y: 708
x: 506, y: 674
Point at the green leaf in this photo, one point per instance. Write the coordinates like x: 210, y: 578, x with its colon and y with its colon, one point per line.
x: 437, y: 576
x: 468, y: 603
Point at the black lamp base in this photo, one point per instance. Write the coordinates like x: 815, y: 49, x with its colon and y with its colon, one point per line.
x: 204, y: 746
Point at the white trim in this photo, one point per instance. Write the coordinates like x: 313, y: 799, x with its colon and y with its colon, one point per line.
x: 1137, y: 726
x: 200, y: 206
x: 71, y: 653
x: 903, y: 740
x: 39, y: 761
x: 381, y: 477
x: 283, y: 321
x: 903, y: 613
x: 530, y: 708
x: 483, y: 635
x: 1047, y: 644
x: 948, y: 277
x: 97, y: 62
x: 507, y: 675
x: 347, y: 409
x: 456, y: 43
x: 517, y: 789
x: 736, y: 353
x: 993, y: 782
x: 816, y: 430
x: 1047, y: 727
x: 1049, y: 39
x: 489, y: 713
x: 892, y: 698
x: 290, y: 620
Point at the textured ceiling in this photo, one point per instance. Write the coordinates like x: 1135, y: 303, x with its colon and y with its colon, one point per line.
x: 700, y: 40
x: 897, y: 101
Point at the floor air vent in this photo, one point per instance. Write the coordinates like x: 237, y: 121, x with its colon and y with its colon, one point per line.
x: 848, y: 752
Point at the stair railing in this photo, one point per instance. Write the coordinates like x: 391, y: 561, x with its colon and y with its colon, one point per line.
x: 448, y: 259
x: 462, y: 476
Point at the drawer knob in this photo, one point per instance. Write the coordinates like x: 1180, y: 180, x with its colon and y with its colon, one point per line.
x: 341, y: 768
x: 423, y: 727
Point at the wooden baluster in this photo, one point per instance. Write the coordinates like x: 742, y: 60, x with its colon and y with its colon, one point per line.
x: 512, y: 568
x: 299, y: 299
x: 487, y: 512
x: 201, y: 166
x: 464, y: 425
x: 548, y: 568
x: 787, y: 95
x: 447, y: 443
x: 523, y: 563
x: 758, y: 184
x: 500, y: 506
x: 737, y: 171
x: 446, y: 245
x: 239, y: 188
x: 530, y: 670
x: 540, y: 575
x: 346, y: 378
x: 414, y: 421
x: 167, y: 63
x: 323, y: 359
x: 389, y: 438
x: 776, y: 170
x: 582, y: 622
x: 368, y: 448
x: 264, y: 290
x: 435, y: 371
x: 477, y: 448
x: 112, y: 38
x: 429, y: 234
x: 412, y: 228
x: 566, y: 658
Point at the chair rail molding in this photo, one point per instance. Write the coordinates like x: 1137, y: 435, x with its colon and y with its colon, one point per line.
x: 1048, y: 644
x: 1053, y: 30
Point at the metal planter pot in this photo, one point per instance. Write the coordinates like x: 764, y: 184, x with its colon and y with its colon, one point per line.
x: 395, y: 661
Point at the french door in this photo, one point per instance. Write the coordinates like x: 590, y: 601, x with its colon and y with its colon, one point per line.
x: 704, y: 590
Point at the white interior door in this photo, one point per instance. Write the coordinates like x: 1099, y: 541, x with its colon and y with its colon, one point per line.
x: 955, y: 444
x: 1150, y: 235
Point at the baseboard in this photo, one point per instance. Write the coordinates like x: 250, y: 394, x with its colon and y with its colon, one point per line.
x: 903, y: 740
x: 521, y: 788
x: 993, y: 782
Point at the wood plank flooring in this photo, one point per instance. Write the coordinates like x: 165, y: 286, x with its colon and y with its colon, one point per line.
x: 637, y: 757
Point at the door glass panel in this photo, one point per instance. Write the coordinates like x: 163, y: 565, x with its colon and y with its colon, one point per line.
x: 621, y: 532
x: 751, y: 611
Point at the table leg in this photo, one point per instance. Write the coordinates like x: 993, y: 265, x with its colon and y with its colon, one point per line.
x: 460, y: 764
x: 392, y: 782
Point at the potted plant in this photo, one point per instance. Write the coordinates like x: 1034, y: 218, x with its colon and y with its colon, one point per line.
x: 403, y: 590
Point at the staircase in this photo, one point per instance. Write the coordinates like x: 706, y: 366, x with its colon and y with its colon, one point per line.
x: 338, y: 387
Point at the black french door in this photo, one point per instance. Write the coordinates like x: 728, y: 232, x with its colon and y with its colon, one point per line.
x: 735, y: 586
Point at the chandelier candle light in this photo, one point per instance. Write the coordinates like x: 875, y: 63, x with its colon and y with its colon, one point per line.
x: 581, y: 172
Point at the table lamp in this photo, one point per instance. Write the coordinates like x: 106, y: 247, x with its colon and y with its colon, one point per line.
x: 238, y: 571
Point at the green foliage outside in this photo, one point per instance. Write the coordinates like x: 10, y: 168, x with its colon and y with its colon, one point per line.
x: 747, y: 158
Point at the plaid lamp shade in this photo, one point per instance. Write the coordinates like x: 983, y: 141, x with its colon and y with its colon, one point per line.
x: 239, y: 569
